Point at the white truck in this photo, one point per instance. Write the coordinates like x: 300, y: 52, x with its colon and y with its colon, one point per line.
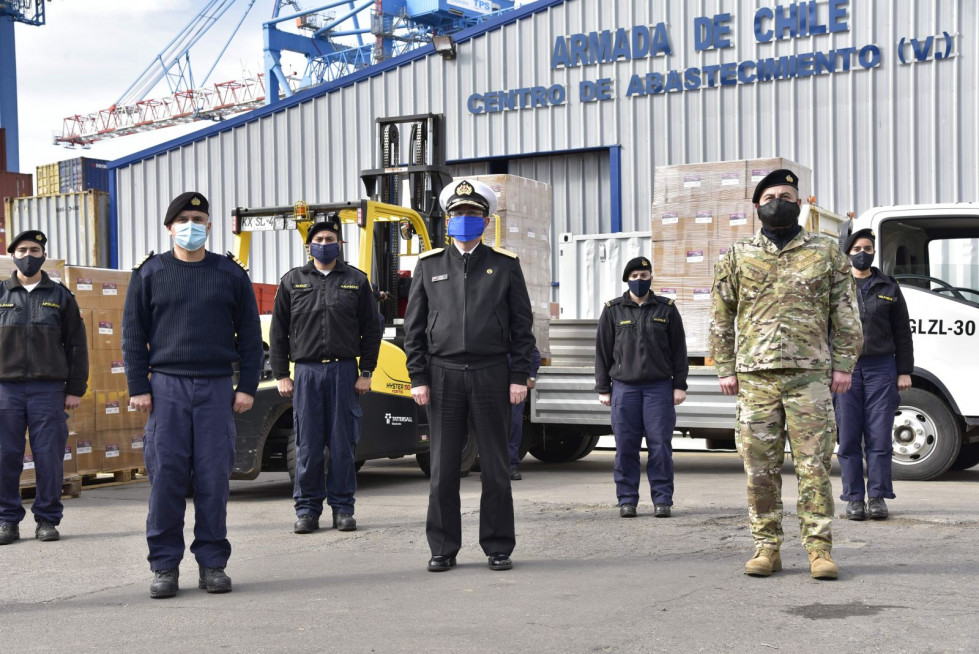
x: 932, y: 250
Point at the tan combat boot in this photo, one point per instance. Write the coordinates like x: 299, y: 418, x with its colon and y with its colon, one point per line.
x: 765, y: 561
x: 821, y: 565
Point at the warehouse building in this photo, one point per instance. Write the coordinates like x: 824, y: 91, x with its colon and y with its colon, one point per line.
x: 879, y: 99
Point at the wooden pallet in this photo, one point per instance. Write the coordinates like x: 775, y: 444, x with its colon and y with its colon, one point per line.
x: 70, y: 487
x: 119, y: 477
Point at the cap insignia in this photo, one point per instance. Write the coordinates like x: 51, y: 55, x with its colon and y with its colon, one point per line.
x: 195, y: 201
x: 789, y: 179
x: 464, y: 188
x: 39, y: 237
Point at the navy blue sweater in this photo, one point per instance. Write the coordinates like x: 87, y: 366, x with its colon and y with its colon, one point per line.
x: 181, y: 318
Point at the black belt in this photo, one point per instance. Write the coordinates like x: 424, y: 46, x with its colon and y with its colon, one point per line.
x: 334, y: 360
x: 472, y: 364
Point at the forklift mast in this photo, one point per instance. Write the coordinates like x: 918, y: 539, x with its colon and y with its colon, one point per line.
x: 426, y: 174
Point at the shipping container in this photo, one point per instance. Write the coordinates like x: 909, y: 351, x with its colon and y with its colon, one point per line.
x: 49, y: 179
x: 76, y: 224
x: 83, y: 174
x: 12, y: 185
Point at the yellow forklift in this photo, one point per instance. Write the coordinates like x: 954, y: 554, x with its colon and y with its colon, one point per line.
x: 393, y: 425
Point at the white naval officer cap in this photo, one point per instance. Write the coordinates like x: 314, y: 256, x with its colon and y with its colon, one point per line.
x: 462, y: 192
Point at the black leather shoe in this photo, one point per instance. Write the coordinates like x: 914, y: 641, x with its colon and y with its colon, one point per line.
x: 9, y: 533
x: 164, y: 583
x: 877, y: 508
x: 856, y: 510
x: 627, y: 511
x: 306, y: 524
x: 344, y: 522
x: 515, y: 475
x: 662, y: 510
x: 500, y: 562
x: 439, y: 563
x: 213, y: 580
x: 46, y: 531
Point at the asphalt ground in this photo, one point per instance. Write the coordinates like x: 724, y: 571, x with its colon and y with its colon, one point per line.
x: 584, y: 580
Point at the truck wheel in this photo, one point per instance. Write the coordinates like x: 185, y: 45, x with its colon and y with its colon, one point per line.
x: 291, y: 457
x: 562, y: 444
x: 469, y: 454
x: 589, y: 447
x: 926, y: 438
x: 968, y: 457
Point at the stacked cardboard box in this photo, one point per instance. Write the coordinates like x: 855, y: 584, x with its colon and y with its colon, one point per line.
x: 523, y: 225
x: 699, y: 211
x: 109, y: 434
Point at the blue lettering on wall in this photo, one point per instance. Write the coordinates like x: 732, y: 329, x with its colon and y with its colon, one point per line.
x: 610, y: 46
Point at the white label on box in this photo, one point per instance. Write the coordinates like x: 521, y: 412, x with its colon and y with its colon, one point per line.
x: 111, y: 408
x: 691, y: 181
x: 68, y: 453
x: 730, y: 179
x: 531, y: 234
x: 130, y: 408
x: 111, y: 451
x: 695, y: 256
x: 701, y: 294
x: 109, y: 288
x: 105, y: 327
x: 138, y: 443
x: 759, y: 174
x: 117, y: 368
x: 84, y: 447
x: 514, y: 229
x: 668, y: 293
x: 671, y: 218
x: 84, y: 285
x: 28, y: 463
x: 738, y: 219
x: 704, y: 217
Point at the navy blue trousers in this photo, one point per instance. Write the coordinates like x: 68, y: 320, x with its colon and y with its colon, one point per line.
x: 516, y: 433
x: 326, y: 413
x: 865, y: 419
x: 459, y: 396
x: 39, y: 407
x: 191, y: 432
x: 637, y: 410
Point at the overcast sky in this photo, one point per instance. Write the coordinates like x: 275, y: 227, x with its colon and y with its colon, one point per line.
x: 90, y: 51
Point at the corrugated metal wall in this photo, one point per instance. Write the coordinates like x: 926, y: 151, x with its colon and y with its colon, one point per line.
x: 76, y: 224
x: 896, y: 134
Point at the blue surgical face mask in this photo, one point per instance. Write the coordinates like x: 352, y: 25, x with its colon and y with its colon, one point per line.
x: 466, y: 228
x: 190, y: 236
x: 325, y: 253
x: 640, y: 287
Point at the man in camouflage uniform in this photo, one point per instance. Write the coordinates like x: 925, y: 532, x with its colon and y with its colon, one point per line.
x: 785, y: 331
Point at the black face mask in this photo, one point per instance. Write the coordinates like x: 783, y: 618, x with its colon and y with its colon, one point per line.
x: 640, y: 287
x: 779, y: 214
x: 861, y: 260
x: 29, y: 266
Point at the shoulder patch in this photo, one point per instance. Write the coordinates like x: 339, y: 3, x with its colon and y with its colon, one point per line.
x: 235, y: 259
x: 429, y: 253
x: 145, y: 259
x: 512, y: 255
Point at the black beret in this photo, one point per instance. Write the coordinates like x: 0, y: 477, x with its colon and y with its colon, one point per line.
x: 866, y: 233
x: 32, y: 235
x: 331, y: 224
x: 639, y: 263
x: 189, y: 201
x: 780, y: 177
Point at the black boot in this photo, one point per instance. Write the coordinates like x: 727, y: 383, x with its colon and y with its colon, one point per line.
x: 213, y: 580
x: 877, y: 509
x: 856, y: 510
x: 164, y: 583
x: 9, y: 533
x: 46, y: 531
x: 344, y: 522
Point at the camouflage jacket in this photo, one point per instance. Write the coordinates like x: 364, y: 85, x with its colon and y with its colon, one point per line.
x: 794, y: 308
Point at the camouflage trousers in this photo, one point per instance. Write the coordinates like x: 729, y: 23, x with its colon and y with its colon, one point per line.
x: 771, y: 405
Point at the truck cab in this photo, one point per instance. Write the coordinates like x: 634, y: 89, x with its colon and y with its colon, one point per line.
x: 933, y: 252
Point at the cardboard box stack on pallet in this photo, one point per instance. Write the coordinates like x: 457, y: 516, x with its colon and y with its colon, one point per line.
x: 109, y: 435
x: 699, y: 211
x: 524, y: 226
